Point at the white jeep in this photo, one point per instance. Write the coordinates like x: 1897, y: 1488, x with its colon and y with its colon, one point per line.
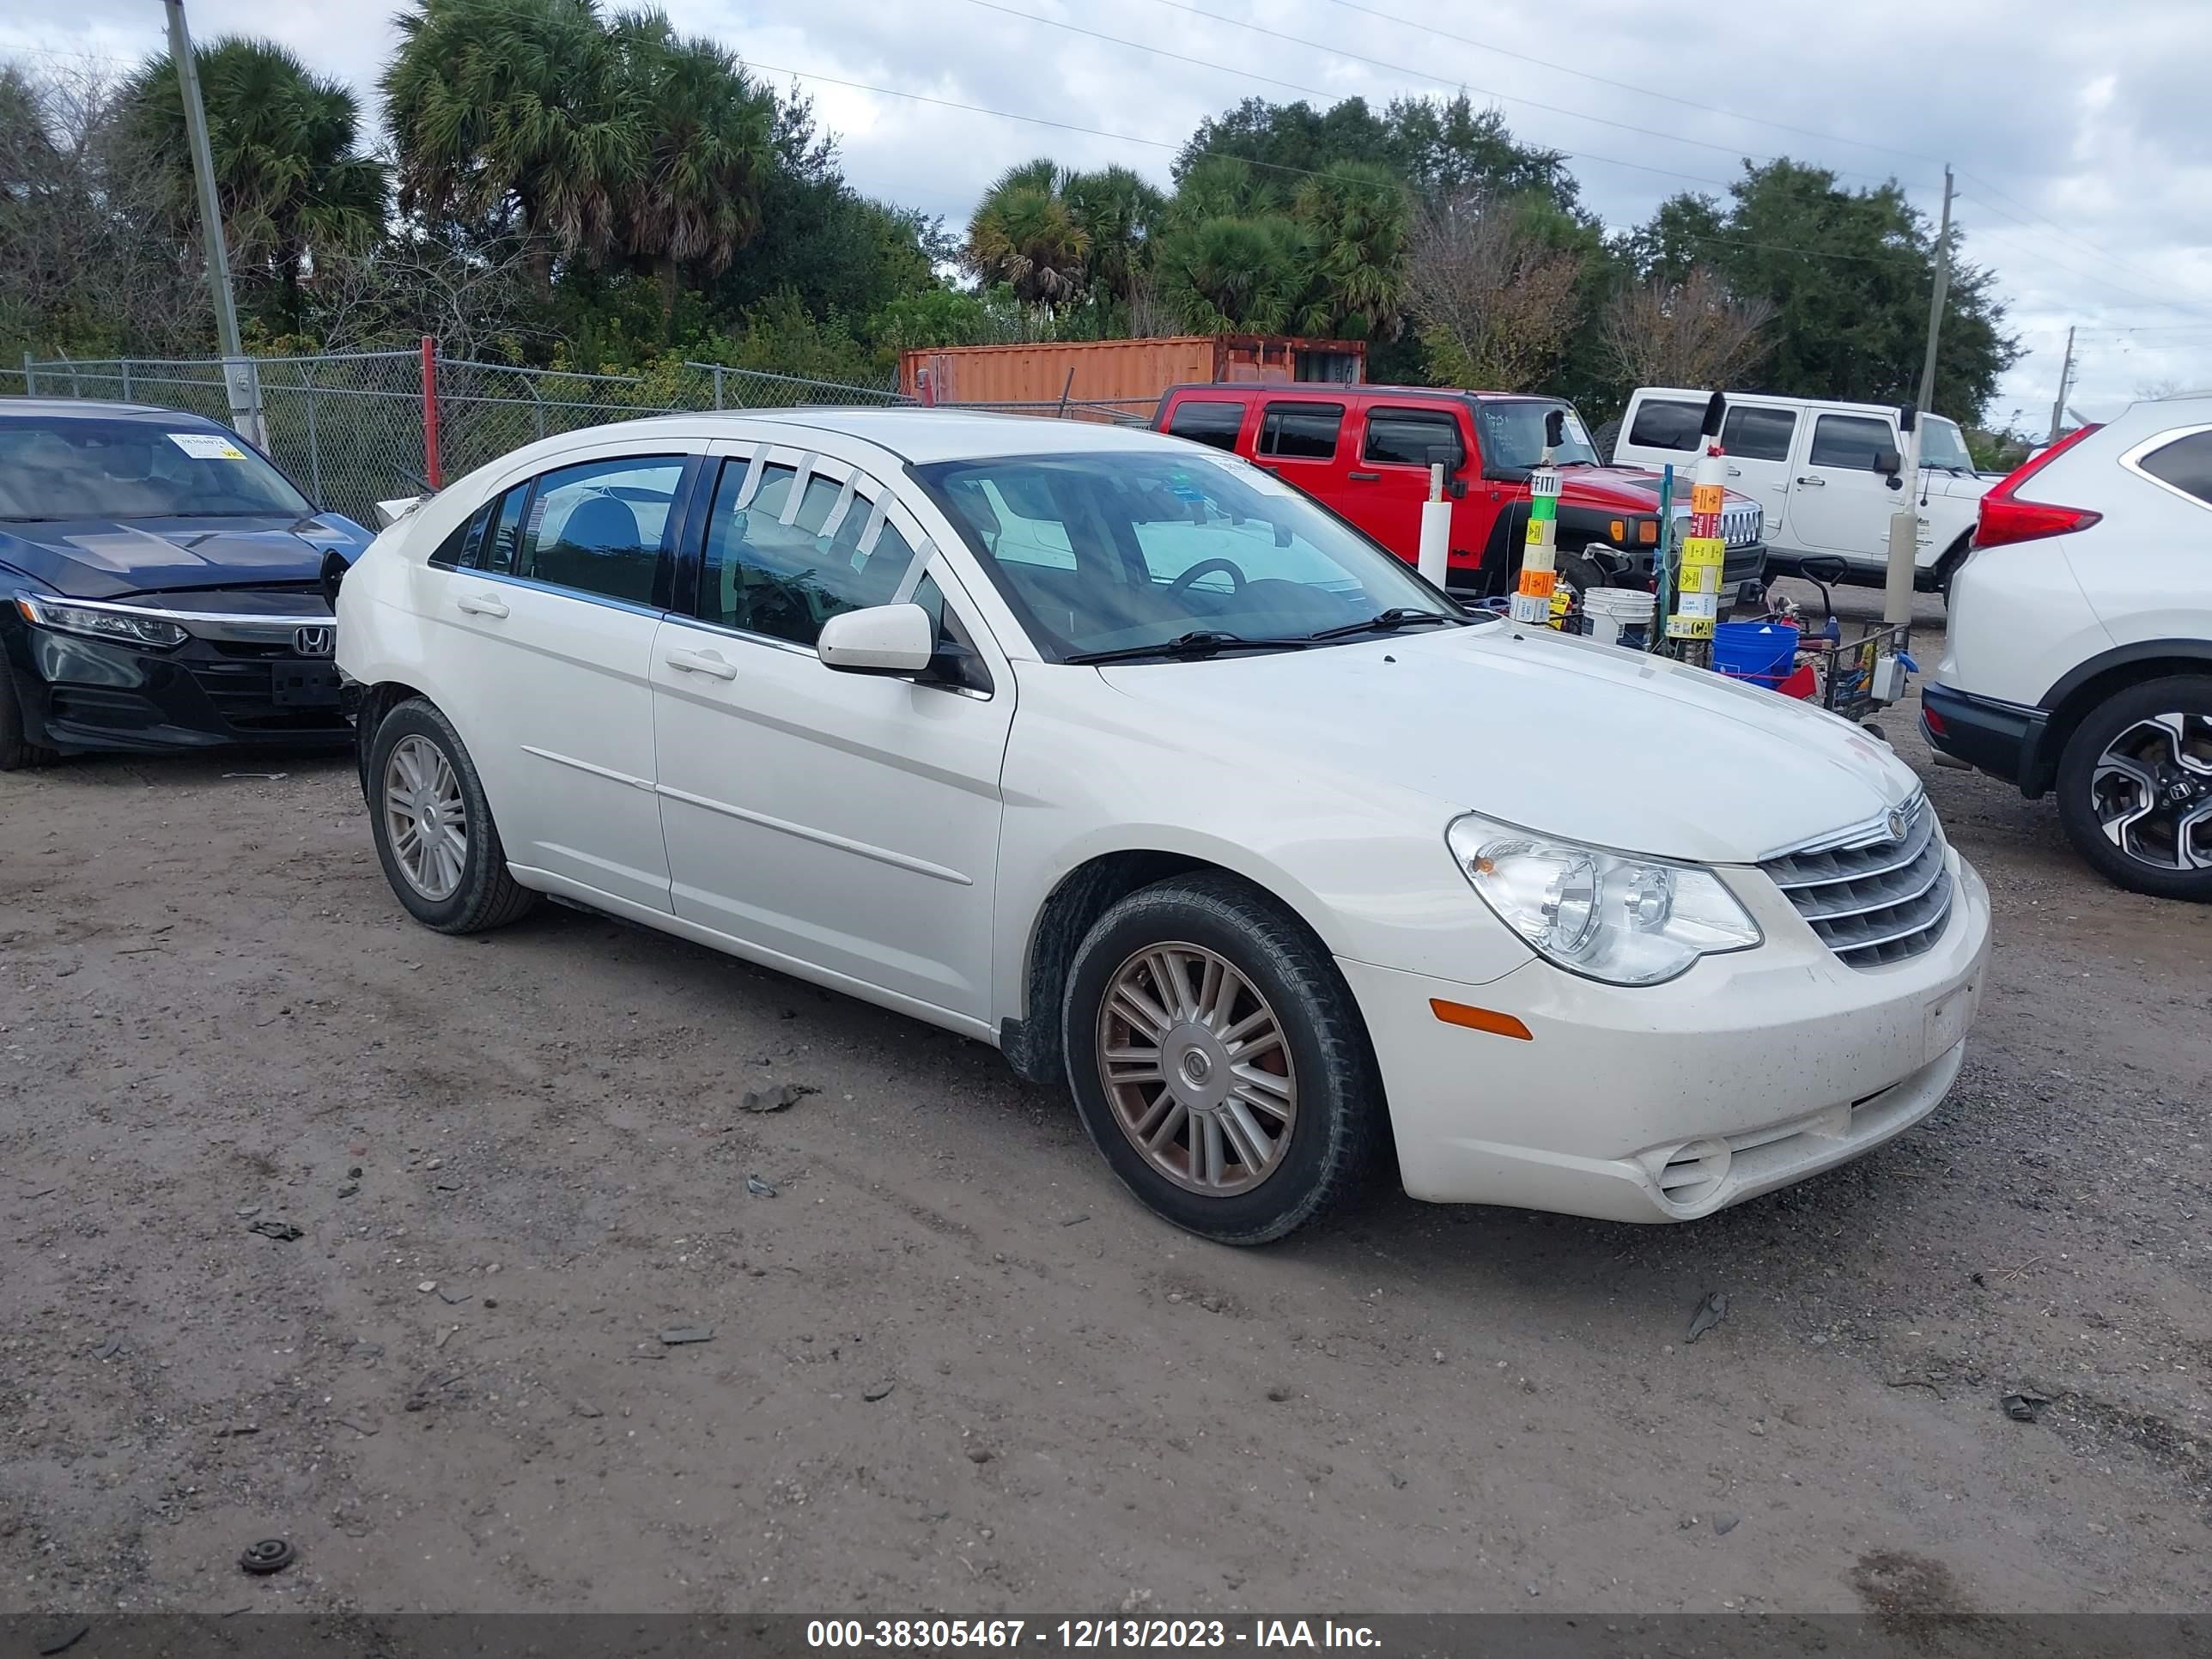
x: 1826, y: 473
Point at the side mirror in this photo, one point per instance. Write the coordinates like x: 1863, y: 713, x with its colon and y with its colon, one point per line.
x: 882, y: 639
x: 1888, y: 462
x: 1450, y: 459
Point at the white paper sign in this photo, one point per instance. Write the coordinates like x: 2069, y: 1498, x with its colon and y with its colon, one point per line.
x: 207, y: 446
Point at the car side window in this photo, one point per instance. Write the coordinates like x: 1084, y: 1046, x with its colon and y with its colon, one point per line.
x: 841, y: 551
x: 1305, y: 432
x: 1760, y: 435
x: 602, y: 528
x: 502, y: 538
x: 1208, y: 420
x: 1664, y: 423
x: 1406, y: 437
x: 2186, y: 464
x: 1850, y: 440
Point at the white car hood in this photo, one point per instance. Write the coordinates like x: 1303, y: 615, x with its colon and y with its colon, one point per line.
x: 1550, y: 732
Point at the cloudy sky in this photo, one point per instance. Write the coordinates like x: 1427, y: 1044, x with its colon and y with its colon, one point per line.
x: 2078, y: 130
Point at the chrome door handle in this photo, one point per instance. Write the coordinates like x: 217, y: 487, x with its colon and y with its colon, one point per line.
x: 1735, y: 472
x: 1815, y: 484
x: 1364, y: 477
x: 480, y: 604
x: 703, y: 662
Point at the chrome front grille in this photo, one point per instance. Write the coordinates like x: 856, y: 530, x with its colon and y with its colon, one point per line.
x: 1876, y: 896
x: 1742, y: 523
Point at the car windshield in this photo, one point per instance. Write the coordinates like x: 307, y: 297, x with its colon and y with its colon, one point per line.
x: 1109, y: 552
x: 1941, y: 444
x: 91, y: 469
x: 1512, y: 433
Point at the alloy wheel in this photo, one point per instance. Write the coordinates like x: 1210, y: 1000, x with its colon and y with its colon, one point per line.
x: 1197, y: 1069
x: 425, y: 817
x: 2152, y: 791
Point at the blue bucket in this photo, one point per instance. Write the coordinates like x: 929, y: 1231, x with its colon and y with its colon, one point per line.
x: 1765, y: 651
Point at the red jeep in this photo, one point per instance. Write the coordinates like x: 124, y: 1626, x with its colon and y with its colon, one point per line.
x: 1364, y: 452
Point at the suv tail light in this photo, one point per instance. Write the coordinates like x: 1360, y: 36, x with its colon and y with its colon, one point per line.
x: 2006, y: 517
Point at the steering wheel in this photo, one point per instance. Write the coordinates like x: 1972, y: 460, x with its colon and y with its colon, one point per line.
x: 1206, y: 568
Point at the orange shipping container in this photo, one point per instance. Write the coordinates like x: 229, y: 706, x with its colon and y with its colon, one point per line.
x: 1128, y: 372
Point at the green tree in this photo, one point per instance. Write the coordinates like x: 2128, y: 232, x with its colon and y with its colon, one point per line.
x: 1356, y: 218
x: 1027, y: 234
x: 523, y: 114
x: 708, y: 138
x: 1232, y: 275
x: 289, y: 173
x: 1849, y: 273
x: 1118, y: 212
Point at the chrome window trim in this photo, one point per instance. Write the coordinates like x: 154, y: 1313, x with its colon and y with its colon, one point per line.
x: 2133, y: 461
x: 1871, y: 830
x: 558, y: 592
x: 200, y: 624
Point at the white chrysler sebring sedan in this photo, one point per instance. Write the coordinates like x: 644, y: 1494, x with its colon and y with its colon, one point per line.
x: 1122, y: 755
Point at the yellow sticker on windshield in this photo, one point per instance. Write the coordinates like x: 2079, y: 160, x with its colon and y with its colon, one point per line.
x: 207, y: 445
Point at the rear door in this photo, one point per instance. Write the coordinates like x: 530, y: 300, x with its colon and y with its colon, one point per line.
x: 559, y: 585
x: 1837, y: 502
x: 1298, y: 442
x: 1759, y: 438
x: 1388, y: 478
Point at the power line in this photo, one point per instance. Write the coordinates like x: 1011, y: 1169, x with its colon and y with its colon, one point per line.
x: 2089, y: 246
x: 1630, y: 86
x: 1446, y: 81
x: 2035, y: 252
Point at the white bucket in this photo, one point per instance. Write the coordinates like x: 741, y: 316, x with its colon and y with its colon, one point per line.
x: 1609, y: 609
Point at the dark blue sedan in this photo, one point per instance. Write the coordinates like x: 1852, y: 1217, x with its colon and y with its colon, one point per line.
x: 162, y: 586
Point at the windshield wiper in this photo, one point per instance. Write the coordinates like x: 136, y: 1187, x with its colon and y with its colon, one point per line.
x: 1199, y: 642
x: 1383, y: 622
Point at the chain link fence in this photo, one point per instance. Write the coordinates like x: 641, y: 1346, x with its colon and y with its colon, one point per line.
x: 356, y: 428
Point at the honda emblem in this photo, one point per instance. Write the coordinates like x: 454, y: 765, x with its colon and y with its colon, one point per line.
x: 314, y: 641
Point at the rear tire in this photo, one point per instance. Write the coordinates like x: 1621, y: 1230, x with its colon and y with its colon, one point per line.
x: 17, y: 751
x: 2135, y: 788
x: 1218, y: 1062
x: 433, y: 826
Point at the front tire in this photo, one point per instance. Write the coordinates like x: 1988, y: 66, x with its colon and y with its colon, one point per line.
x: 433, y: 826
x: 2134, y: 787
x: 16, y: 751
x: 1218, y: 1060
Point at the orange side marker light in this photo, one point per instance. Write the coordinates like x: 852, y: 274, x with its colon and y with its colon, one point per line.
x: 1479, y: 1019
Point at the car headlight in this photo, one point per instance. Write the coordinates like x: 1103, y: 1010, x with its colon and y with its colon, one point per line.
x: 1610, y: 916
x: 101, y: 624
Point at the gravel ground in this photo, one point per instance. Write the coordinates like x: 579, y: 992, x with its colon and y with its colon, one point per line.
x: 949, y: 1364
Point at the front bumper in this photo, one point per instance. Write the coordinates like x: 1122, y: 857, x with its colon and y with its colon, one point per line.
x: 1667, y: 1102
x: 82, y: 693
x: 2002, y: 739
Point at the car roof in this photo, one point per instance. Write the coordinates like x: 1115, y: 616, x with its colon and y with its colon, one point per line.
x: 87, y: 409
x: 1778, y: 400
x: 922, y: 436
x: 1365, y: 388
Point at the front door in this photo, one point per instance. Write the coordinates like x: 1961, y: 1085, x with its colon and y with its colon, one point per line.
x: 558, y: 584
x: 1388, y: 479
x: 842, y: 822
x: 1837, y: 502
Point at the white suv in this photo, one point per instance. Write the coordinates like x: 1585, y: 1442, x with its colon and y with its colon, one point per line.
x: 2079, y: 658
x: 1121, y: 755
x: 1826, y: 473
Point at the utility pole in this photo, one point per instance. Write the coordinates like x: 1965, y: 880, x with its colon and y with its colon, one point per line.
x: 240, y: 378
x: 1905, y: 522
x: 1935, y: 303
x: 2065, y: 375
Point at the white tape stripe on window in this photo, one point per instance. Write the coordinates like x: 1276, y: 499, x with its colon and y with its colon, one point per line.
x: 754, y: 469
x: 830, y: 526
x: 872, y: 531
x: 914, y: 572
x: 799, y: 484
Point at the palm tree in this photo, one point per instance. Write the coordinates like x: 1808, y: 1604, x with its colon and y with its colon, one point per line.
x: 1026, y: 234
x: 709, y: 143
x: 1119, y: 211
x: 1358, y: 221
x: 1232, y: 275
x: 289, y: 176
x: 519, y: 112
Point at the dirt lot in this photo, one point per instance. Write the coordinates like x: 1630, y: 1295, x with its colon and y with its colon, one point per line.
x: 951, y: 1365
